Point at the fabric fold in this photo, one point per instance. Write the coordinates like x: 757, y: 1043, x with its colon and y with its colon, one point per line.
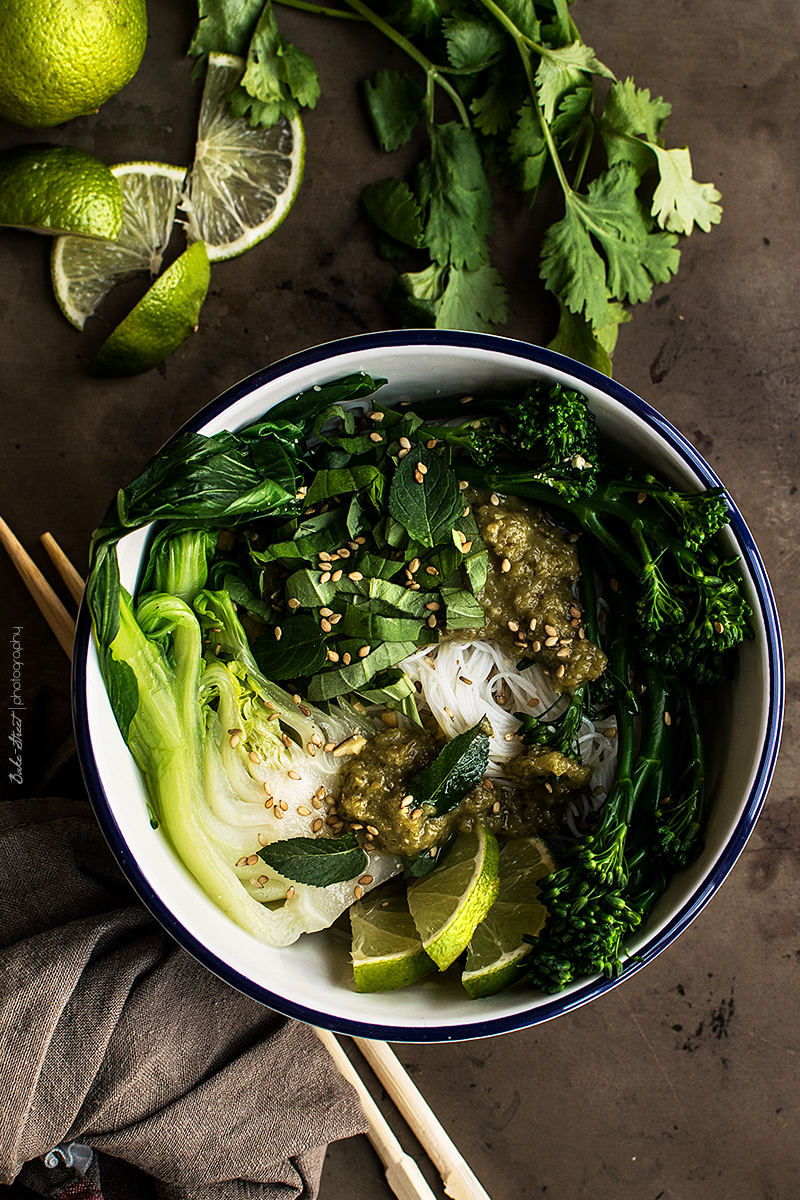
x: 114, y: 1037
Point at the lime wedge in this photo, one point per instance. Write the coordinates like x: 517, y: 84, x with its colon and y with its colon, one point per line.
x: 447, y: 904
x: 164, y: 317
x: 244, y: 179
x: 497, y: 951
x: 58, y: 189
x: 83, y: 272
x: 386, y: 949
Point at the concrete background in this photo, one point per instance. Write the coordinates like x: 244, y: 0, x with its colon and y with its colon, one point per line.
x: 681, y: 1084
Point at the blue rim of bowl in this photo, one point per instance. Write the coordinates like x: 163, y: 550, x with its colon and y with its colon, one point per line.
x: 560, y: 1003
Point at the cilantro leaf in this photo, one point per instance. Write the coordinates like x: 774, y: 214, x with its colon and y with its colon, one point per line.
x: 318, y: 862
x: 472, y: 44
x: 495, y: 108
x: 225, y: 27
x: 394, y: 103
x: 454, y: 191
x: 635, y: 258
x: 456, y: 771
x: 277, y: 75
x: 679, y: 202
x: 528, y: 149
x: 473, y: 299
x: 564, y: 68
x: 393, y: 207
x: 576, y: 338
x: 416, y: 296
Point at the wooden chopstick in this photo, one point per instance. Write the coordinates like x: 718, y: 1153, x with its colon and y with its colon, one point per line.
x: 70, y: 576
x: 402, y: 1172
x: 458, y: 1178
x: 48, y: 603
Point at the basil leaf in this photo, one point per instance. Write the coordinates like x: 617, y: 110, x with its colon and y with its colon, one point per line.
x: 457, y: 769
x: 462, y: 610
x: 300, y: 651
x: 341, y: 482
x: 429, y: 510
x: 316, y: 861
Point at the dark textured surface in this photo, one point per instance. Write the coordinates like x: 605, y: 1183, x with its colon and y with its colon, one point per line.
x: 681, y: 1084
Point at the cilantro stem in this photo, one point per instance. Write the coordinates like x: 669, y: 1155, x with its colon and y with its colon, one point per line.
x: 432, y: 72
x: 319, y: 10
x: 523, y: 45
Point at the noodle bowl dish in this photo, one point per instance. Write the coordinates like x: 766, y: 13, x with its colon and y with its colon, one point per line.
x: 427, y: 685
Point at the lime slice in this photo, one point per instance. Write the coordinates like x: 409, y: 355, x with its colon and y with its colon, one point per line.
x: 386, y: 949
x: 84, y: 271
x: 447, y: 904
x: 496, y: 951
x: 58, y: 189
x: 244, y: 179
x: 164, y: 317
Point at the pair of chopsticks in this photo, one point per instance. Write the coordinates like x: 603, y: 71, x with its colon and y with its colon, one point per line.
x: 403, y: 1174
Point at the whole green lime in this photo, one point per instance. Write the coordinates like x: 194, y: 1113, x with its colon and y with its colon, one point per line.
x: 61, y: 59
x: 59, y: 189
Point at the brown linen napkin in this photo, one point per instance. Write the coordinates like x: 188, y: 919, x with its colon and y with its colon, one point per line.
x: 113, y: 1038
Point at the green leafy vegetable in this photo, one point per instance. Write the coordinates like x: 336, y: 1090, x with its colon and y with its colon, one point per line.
x: 456, y: 771
x: 425, y: 496
x: 316, y: 861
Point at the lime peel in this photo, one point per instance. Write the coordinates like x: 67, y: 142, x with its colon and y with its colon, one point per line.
x: 448, y: 904
x: 59, y: 189
x: 386, y: 950
x: 164, y: 317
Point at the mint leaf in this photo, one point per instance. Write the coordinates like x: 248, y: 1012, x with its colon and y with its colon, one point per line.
x: 395, y: 104
x: 454, y: 191
x: 455, y: 772
x: 393, y: 207
x: 316, y: 861
x: 429, y: 509
x: 353, y: 677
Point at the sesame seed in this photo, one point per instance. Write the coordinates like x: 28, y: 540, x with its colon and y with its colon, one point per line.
x: 563, y: 652
x: 303, y: 810
x: 509, y: 737
x: 375, y: 437
x: 423, y: 470
x: 364, y: 651
x: 532, y: 624
x: 311, y: 748
x: 252, y: 860
x: 325, y: 612
x: 551, y: 641
x: 263, y: 840
x: 415, y: 814
x: 335, y: 618
x: 355, y: 576
x: 325, y: 576
x: 418, y: 475
x: 293, y: 602
x: 235, y: 739
x: 358, y: 892
x: 365, y: 879
x: 329, y: 746
x: 513, y: 626
x: 406, y: 801
x: 505, y: 566
x: 268, y: 803
x: 289, y: 892
x: 376, y: 416
x: 550, y: 630
x: 449, y: 712
x: 548, y: 787
x: 533, y: 702
x: 667, y: 719
x: 332, y: 656
x: 325, y: 625
x: 496, y: 806
x: 640, y: 499
x: 413, y: 565
x: 719, y: 627
x: 317, y: 824
x: 402, y: 453
x: 431, y: 443
x: 284, y: 805
x: 294, y: 775
x: 464, y: 679
x: 405, y: 443
x: 561, y: 671
x: 463, y: 485
x: 465, y: 399
x: 278, y: 633
x: 287, y: 741
x: 274, y: 716
x: 431, y: 571
x: 346, y: 659
x: 255, y: 884
x: 431, y: 622
x: 254, y: 757
x: 262, y: 879
x: 242, y: 862
x: 494, y: 498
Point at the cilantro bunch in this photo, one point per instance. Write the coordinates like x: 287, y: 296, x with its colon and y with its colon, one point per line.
x: 502, y: 89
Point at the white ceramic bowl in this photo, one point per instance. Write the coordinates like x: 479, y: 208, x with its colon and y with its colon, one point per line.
x: 311, y: 980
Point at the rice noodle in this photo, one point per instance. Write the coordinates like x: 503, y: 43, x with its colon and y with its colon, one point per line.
x: 459, y: 683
